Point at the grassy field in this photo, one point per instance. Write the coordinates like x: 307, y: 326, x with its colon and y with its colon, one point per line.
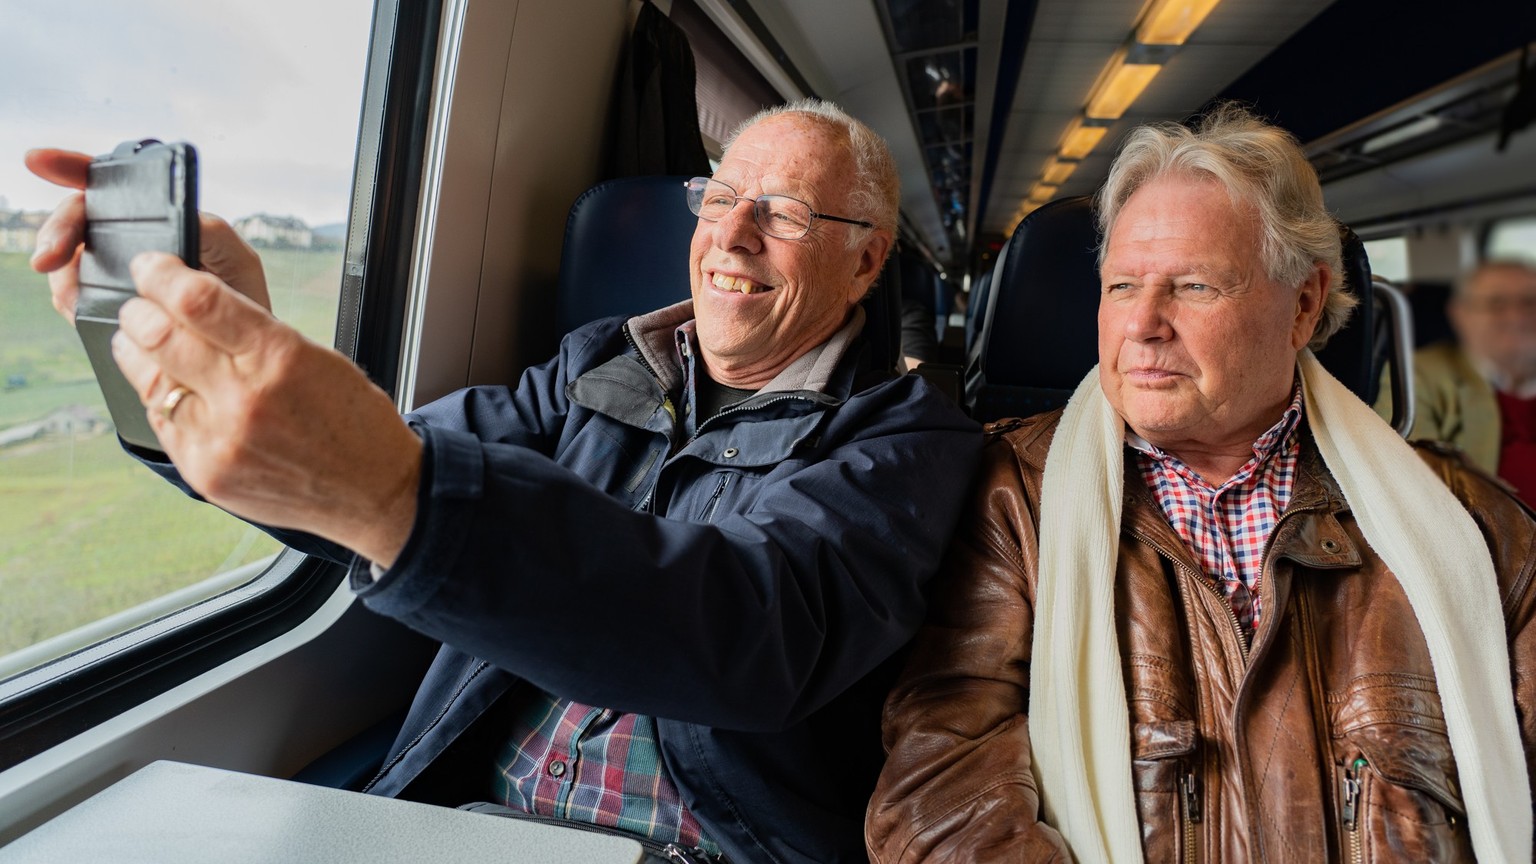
x: 84, y: 530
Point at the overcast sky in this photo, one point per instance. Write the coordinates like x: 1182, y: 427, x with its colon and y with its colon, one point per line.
x: 269, y: 93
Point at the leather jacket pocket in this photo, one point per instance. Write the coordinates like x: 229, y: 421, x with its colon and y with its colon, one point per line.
x: 1166, y: 770
x: 1398, y: 798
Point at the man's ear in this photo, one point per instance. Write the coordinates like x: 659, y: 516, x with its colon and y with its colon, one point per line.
x: 872, y: 255
x: 1311, y: 297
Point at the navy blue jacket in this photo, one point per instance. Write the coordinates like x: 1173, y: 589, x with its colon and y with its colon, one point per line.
x: 745, y: 585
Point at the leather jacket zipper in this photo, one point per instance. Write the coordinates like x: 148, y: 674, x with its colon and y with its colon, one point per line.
x: 1189, y: 797
x: 1350, y: 807
x: 1200, y: 579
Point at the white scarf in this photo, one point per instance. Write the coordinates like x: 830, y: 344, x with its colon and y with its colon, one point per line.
x: 1078, y: 720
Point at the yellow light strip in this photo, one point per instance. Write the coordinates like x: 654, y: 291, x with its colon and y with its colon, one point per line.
x: 1057, y: 172
x: 1170, y: 22
x: 1042, y: 192
x: 1119, y: 87
x: 1080, y: 140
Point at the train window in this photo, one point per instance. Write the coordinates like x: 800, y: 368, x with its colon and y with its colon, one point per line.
x: 1388, y: 257
x: 1512, y: 238
x: 92, y: 544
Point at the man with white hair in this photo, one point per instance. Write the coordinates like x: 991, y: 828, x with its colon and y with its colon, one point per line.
x: 667, y: 567
x: 1215, y: 609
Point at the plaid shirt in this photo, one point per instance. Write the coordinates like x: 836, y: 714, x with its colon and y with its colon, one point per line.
x: 572, y: 761
x: 1227, y: 526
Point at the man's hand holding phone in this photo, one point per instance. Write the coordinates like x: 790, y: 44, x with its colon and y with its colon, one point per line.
x: 268, y: 425
x: 221, y: 251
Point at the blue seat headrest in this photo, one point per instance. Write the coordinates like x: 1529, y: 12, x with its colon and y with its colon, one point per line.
x: 626, y: 253
x: 626, y: 250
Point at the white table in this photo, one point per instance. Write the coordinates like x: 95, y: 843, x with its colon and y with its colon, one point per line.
x: 174, y: 813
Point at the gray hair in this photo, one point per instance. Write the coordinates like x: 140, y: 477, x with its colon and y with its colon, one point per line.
x: 1260, y: 165
x: 876, y: 195
x: 1467, y: 278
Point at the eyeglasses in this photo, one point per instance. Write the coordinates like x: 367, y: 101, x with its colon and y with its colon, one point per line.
x: 776, y: 215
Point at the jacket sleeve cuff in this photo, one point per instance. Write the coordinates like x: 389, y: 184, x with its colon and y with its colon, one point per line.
x: 452, y: 482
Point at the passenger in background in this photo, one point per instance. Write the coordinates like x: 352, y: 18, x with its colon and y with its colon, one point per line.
x: 1216, y: 609
x: 667, y: 568
x: 1479, y: 392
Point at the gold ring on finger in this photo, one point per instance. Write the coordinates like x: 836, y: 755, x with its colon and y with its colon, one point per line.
x: 171, y: 400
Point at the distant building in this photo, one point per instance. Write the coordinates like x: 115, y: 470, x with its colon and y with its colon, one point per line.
x: 69, y: 421
x: 276, y: 232
x: 18, y: 230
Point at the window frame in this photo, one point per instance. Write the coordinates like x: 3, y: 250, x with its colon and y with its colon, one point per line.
x: 48, y: 704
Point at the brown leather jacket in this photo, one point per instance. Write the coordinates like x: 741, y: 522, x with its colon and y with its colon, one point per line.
x: 1321, y: 741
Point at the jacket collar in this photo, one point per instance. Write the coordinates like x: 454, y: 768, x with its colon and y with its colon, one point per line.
x: 815, y: 371
x: 1309, y: 531
x: 639, y: 388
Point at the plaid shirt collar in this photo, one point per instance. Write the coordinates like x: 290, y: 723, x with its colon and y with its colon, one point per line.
x: 1226, y: 527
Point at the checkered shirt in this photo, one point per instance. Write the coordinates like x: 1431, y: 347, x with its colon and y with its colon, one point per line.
x: 572, y: 761
x: 1227, y: 526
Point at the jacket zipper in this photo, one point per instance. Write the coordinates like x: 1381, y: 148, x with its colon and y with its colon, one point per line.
x: 639, y: 355
x: 390, y: 764
x: 1189, y: 795
x: 714, y: 500
x: 1200, y: 579
x: 738, y: 407
x: 1351, y: 809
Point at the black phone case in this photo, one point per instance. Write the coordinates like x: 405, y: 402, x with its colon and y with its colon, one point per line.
x: 141, y: 198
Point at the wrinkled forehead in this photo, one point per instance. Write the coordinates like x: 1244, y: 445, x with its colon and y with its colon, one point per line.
x: 788, y: 154
x: 1180, y: 213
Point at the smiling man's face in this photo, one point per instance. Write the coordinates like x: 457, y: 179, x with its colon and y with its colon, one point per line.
x: 760, y: 302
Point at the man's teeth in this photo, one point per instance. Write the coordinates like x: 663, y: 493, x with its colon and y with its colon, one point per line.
x: 741, y: 286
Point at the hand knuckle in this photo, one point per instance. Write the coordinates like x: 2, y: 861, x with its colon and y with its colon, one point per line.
x: 197, y: 296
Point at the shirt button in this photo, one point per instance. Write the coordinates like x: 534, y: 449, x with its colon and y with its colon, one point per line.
x: 557, y: 768
x: 730, y: 452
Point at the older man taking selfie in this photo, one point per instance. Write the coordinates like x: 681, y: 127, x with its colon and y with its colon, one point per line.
x: 1215, y: 609
x: 667, y: 567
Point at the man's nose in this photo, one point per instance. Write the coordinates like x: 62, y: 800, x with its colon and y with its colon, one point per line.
x: 1148, y: 317
x: 738, y: 229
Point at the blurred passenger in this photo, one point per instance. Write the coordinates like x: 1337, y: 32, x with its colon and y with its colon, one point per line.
x: 1479, y: 392
x: 1215, y: 609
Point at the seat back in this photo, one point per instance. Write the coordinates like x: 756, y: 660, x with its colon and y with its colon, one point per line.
x: 1040, y: 336
x: 1356, y: 354
x: 626, y: 250
x: 626, y: 253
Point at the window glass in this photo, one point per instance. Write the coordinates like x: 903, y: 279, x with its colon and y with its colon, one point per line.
x: 1389, y: 258
x: 270, y: 94
x: 1513, y: 238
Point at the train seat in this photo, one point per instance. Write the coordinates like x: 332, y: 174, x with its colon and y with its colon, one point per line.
x: 626, y: 253
x: 1039, y: 336
x: 1036, y: 337
x: 626, y: 250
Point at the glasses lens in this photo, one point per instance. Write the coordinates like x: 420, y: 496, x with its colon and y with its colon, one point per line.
x: 709, y: 199
x: 786, y: 218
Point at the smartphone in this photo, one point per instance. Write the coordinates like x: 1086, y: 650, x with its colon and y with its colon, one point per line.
x: 142, y: 197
